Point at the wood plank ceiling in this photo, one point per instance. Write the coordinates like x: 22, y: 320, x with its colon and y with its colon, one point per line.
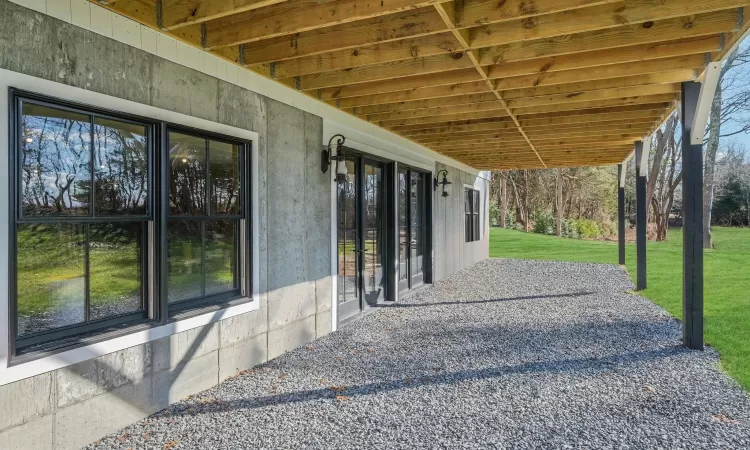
x: 496, y: 84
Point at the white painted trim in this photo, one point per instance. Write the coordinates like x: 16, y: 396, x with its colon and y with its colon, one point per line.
x: 189, y: 56
x: 377, y: 147
x: 645, y: 155
x: 37, y: 85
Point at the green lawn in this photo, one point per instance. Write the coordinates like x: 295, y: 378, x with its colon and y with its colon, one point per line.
x: 727, y: 280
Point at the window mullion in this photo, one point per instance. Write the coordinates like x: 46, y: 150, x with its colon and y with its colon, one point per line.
x: 87, y: 273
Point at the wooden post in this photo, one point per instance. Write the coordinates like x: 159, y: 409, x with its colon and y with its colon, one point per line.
x: 503, y: 201
x: 558, y: 203
x: 640, y: 214
x: 621, y: 213
x: 692, y: 217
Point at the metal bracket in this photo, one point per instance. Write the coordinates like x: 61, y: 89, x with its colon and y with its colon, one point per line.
x: 272, y: 69
x: 297, y: 82
x: 320, y: 94
x: 722, y: 41
x: 242, y: 54
x: 203, y: 34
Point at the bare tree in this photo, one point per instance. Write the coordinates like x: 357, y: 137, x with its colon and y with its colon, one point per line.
x: 724, y: 108
x: 668, y: 177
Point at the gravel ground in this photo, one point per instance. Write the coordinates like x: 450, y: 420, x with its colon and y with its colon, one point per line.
x: 506, y: 354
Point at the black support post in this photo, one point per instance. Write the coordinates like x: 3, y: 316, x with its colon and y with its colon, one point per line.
x: 692, y: 219
x: 621, y: 213
x: 640, y: 216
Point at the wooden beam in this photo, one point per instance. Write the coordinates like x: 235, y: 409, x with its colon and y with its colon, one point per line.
x: 445, y: 118
x: 699, y: 28
x: 297, y: 17
x: 602, y: 72
x: 423, y: 104
x: 399, y: 84
x: 471, y: 13
x: 405, y: 49
x: 602, y: 94
x: 179, y: 13
x: 642, y: 100
x: 587, y: 115
x: 675, y: 76
x: 599, y: 17
x: 597, y: 58
x: 418, y: 66
x: 437, y: 111
x: 450, y: 90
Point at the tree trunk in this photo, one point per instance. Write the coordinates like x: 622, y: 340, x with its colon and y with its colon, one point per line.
x: 709, y: 180
x: 559, y: 203
x: 526, y: 225
x: 661, y: 146
x: 503, y: 202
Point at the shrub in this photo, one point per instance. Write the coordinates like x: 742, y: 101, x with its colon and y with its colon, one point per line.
x: 588, y: 229
x: 545, y: 223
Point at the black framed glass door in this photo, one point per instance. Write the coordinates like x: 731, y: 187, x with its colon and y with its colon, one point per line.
x: 361, y: 237
x: 412, y: 210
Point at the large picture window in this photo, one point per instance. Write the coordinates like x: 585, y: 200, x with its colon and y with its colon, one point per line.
x: 471, y: 207
x: 87, y: 203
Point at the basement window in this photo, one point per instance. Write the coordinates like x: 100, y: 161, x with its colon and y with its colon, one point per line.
x: 119, y: 222
x: 471, y: 214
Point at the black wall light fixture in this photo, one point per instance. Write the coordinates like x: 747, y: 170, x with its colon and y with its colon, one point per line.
x: 444, y: 182
x: 327, y: 157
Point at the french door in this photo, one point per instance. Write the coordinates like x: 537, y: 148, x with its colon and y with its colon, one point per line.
x: 361, y: 238
x: 412, y: 211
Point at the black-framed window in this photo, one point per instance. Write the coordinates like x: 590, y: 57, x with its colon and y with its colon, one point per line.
x: 471, y: 214
x: 204, y: 218
x: 118, y: 221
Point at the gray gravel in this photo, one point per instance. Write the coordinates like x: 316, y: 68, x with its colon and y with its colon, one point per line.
x: 506, y: 354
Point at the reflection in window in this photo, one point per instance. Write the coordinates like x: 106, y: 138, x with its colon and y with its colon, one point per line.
x: 203, y: 243
x: 120, y: 167
x: 51, y: 276
x: 187, y: 180
x: 55, y: 161
x: 88, y: 268
x: 224, y: 166
x: 115, y: 269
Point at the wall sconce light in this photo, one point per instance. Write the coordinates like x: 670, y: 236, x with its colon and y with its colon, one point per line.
x: 444, y: 182
x: 327, y: 157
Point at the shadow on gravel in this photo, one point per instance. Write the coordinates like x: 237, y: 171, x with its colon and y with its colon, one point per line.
x: 580, y: 365
x: 472, y: 302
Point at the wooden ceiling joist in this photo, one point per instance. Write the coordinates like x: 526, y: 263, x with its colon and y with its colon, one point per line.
x: 494, y: 84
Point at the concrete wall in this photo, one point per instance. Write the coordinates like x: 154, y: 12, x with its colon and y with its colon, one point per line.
x: 450, y: 249
x: 71, y: 407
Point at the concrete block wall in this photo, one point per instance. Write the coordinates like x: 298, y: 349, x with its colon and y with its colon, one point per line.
x: 73, y: 406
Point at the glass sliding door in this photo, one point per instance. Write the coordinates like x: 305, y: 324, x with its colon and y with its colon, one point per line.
x: 404, y: 240
x: 411, y: 228
x: 374, y: 234
x: 361, y: 237
x: 348, y: 244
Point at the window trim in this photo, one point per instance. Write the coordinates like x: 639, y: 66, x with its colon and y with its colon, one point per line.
x: 37, y: 90
x: 473, y: 215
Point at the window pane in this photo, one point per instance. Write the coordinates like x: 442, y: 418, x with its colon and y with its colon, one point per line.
x: 184, y: 260
x: 115, y: 275
x: 120, y: 168
x: 221, y: 249
x: 224, y: 165
x: 467, y: 201
x: 55, y: 161
x: 187, y: 178
x: 51, y: 276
